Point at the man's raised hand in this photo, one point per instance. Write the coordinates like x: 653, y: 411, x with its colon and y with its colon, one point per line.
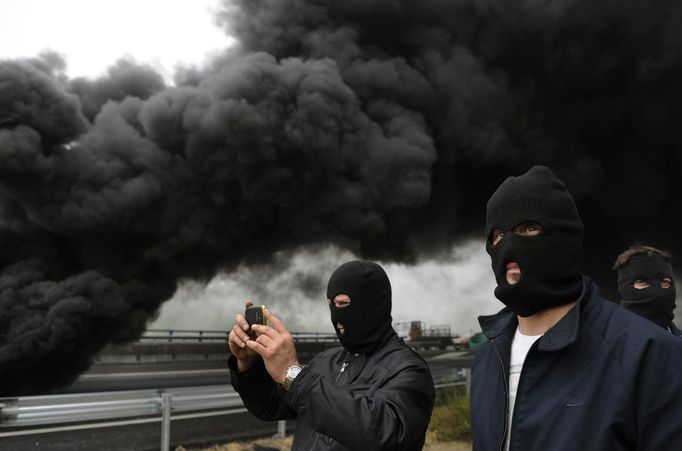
x: 275, y: 345
x: 237, y: 339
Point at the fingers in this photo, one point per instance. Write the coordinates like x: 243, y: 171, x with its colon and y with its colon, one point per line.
x: 269, y: 344
x: 241, y: 321
x: 265, y: 341
x: 276, y: 323
x: 235, y: 344
x: 257, y: 347
x: 238, y: 336
x: 265, y: 330
x: 229, y: 343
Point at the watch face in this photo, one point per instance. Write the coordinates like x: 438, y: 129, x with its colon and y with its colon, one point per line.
x: 293, y: 371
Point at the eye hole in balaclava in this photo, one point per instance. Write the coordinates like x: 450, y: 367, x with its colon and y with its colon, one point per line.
x: 526, y: 228
x: 654, y: 302
x: 548, y: 260
x: 367, y: 319
x: 664, y: 283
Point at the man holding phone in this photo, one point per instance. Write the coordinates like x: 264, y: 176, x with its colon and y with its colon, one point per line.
x: 373, y: 393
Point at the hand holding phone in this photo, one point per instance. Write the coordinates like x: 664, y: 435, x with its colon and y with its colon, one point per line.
x: 255, y: 314
x: 237, y: 338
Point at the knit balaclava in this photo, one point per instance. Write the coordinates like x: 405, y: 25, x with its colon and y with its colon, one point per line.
x: 654, y: 302
x: 367, y: 320
x: 549, y: 262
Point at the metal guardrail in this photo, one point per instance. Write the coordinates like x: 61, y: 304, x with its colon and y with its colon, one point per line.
x: 29, y: 411
x: 431, y: 340
x: 84, y: 410
x: 186, y: 335
x: 85, y: 407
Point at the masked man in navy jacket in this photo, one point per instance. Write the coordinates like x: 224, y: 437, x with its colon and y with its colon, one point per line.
x: 564, y: 369
x: 646, y: 285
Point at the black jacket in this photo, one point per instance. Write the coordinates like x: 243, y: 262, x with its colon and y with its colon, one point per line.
x: 384, y: 404
x: 601, y: 379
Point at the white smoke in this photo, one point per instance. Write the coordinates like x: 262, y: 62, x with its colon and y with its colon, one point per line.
x: 451, y: 291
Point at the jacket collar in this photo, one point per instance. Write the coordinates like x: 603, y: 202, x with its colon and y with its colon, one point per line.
x: 675, y: 331
x: 562, y: 334
x: 358, y: 360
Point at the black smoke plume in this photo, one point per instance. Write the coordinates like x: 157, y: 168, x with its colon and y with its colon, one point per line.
x: 380, y: 126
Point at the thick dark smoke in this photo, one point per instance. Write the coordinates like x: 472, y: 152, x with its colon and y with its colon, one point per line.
x: 380, y: 126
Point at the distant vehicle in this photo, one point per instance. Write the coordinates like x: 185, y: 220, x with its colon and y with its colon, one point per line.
x: 471, y: 343
x: 417, y: 335
x: 477, y: 340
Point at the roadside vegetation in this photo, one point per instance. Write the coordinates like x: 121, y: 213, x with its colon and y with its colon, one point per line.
x: 450, y: 420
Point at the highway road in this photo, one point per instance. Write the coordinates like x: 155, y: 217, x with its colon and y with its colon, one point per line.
x: 131, y: 376
x: 193, y: 428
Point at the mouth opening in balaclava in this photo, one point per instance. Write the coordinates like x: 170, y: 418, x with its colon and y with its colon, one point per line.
x: 367, y: 320
x: 655, y: 303
x: 549, y: 262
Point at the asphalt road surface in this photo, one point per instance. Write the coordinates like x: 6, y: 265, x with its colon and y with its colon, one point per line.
x: 132, y: 376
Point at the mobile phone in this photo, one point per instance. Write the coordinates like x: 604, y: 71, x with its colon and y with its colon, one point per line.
x: 255, y: 315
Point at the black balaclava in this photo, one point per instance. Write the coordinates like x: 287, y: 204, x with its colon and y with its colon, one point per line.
x: 653, y: 303
x: 550, y: 274
x: 367, y: 320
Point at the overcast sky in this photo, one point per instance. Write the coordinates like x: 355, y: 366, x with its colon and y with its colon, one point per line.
x: 92, y: 35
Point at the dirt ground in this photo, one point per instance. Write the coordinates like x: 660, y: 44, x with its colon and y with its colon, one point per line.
x: 285, y: 445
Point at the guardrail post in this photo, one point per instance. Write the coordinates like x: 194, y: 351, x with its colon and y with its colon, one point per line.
x: 281, y: 429
x: 166, y: 399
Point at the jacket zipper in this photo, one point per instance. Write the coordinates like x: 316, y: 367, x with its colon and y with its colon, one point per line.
x: 505, y: 378
x: 518, y: 388
x: 343, y: 368
x: 345, y: 364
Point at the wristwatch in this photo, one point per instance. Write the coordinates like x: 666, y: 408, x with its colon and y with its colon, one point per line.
x: 292, y: 372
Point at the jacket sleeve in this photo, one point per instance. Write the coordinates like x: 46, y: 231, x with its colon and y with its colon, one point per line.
x: 659, y: 396
x: 394, y: 416
x: 263, y: 397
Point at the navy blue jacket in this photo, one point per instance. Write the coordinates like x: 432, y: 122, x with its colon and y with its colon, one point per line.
x: 675, y: 331
x: 601, y: 379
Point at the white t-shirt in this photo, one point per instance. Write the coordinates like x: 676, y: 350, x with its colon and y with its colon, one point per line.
x: 519, y: 349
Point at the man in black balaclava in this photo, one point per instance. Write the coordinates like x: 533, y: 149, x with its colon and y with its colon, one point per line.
x: 521, y: 208
x: 367, y: 324
x: 373, y: 393
x: 564, y: 369
x: 647, y: 286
